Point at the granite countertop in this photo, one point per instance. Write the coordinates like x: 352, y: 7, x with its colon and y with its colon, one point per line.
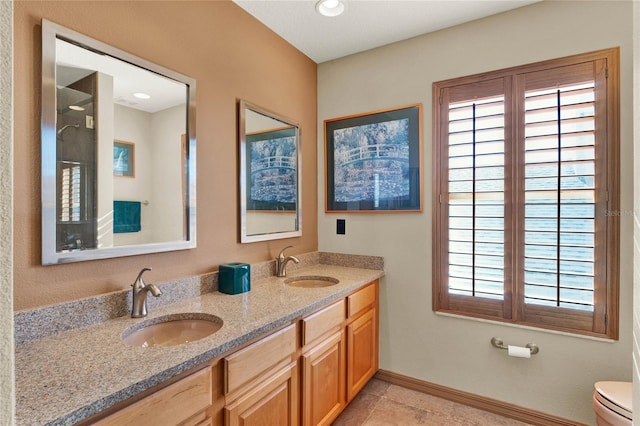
x: 70, y: 376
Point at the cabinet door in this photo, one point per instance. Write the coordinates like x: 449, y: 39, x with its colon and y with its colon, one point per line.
x: 362, y: 352
x: 273, y: 402
x: 323, y: 381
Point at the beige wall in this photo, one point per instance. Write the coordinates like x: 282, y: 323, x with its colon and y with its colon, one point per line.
x: 231, y: 55
x: 636, y: 210
x: 451, y: 351
x: 7, y: 394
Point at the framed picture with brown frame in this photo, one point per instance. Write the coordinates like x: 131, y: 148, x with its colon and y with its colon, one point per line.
x: 374, y: 161
x: 124, y: 156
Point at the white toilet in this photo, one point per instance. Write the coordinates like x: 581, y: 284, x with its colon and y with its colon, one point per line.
x: 612, y: 403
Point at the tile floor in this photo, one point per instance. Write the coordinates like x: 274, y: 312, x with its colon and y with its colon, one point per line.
x: 381, y: 403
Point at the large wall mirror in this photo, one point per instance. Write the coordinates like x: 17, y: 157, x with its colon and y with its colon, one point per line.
x: 270, y: 175
x: 118, y: 152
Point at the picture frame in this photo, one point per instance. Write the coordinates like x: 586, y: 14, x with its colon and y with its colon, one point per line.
x: 272, y: 159
x: 124, y: 158
x: 373, y: 161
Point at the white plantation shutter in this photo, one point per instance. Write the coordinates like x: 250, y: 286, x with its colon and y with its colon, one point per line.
x: 473, y: 197
x: 70, y: 191
x: 564, y: 175
x: 476, y: 197
x: 560, y: 196
x: 525, y: 171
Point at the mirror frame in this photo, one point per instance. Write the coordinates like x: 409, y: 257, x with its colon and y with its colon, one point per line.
x: 243, y: 106
x: 50, y: 256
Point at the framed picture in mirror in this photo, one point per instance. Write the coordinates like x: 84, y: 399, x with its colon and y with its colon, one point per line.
x: 272, y: 158
x: 124, y: 158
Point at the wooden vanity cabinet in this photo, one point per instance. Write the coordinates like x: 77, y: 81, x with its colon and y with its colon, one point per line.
x: 339, y: 354
x: 306, y: 372
x: 323, y: 365
x: 261, y: 382
x: 362, y: 338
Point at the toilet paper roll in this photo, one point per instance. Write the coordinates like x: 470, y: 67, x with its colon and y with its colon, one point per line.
x: 519, y: 351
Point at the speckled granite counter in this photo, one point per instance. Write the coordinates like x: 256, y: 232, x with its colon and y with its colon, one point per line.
x: 69, y: 376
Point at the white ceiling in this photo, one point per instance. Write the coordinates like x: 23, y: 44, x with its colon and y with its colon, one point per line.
x: 75, y: 62
x: 366, y: 24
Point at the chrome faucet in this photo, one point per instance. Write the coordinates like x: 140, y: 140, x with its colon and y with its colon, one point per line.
x: 281, y: 262
x: 140, y: 290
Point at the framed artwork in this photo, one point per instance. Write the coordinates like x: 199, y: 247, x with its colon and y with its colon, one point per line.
x: 374, y: 161
x: 272, y: 158
x: 124, y: 158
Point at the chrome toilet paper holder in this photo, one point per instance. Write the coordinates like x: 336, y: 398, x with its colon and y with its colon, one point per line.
x: 498, y: 343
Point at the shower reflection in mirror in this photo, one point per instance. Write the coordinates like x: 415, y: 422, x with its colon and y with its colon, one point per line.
x: 75, y: 155
x: 95, y: 98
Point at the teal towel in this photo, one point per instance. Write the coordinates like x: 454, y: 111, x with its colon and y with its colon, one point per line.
x: 126, y: 216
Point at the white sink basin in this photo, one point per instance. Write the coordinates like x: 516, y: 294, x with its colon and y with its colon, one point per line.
x: 172, y: 330
x: 311, y: 281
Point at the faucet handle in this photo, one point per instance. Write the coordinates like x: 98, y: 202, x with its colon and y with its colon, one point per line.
x: 281, y: 255
x: 139, y: 277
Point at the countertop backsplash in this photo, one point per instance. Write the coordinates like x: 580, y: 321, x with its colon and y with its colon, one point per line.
x: 45, y: 321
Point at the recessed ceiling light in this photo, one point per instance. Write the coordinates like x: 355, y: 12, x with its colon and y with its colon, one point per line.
x: 141, y: 95
x: 330, y: 7
x: 76, y: 108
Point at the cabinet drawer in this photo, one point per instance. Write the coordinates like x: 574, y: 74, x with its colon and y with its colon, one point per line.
x: 250, y: 362
x: 361, y: 299
x: 274, y: 401
x: 317, y: 324
x: 171, y: 405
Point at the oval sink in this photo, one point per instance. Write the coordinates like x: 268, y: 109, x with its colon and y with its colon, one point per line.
x: 311, y: 281
x: 172, y: 330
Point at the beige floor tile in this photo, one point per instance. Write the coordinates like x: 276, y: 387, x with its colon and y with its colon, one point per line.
x: 358, y: 410
x: 382, y: 404
x: 376, y: 387
x: 392, y: 413
x: 419, y: 399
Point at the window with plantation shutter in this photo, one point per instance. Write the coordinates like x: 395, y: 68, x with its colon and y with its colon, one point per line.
x: 525, y: 180
x: 70, y: 191
x: 476, y: 197
x: 73, y: 187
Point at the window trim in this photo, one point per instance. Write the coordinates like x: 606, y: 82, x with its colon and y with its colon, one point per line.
x: 511, y: 308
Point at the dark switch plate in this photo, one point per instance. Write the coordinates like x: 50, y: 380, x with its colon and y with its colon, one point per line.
x: 340, y: 226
